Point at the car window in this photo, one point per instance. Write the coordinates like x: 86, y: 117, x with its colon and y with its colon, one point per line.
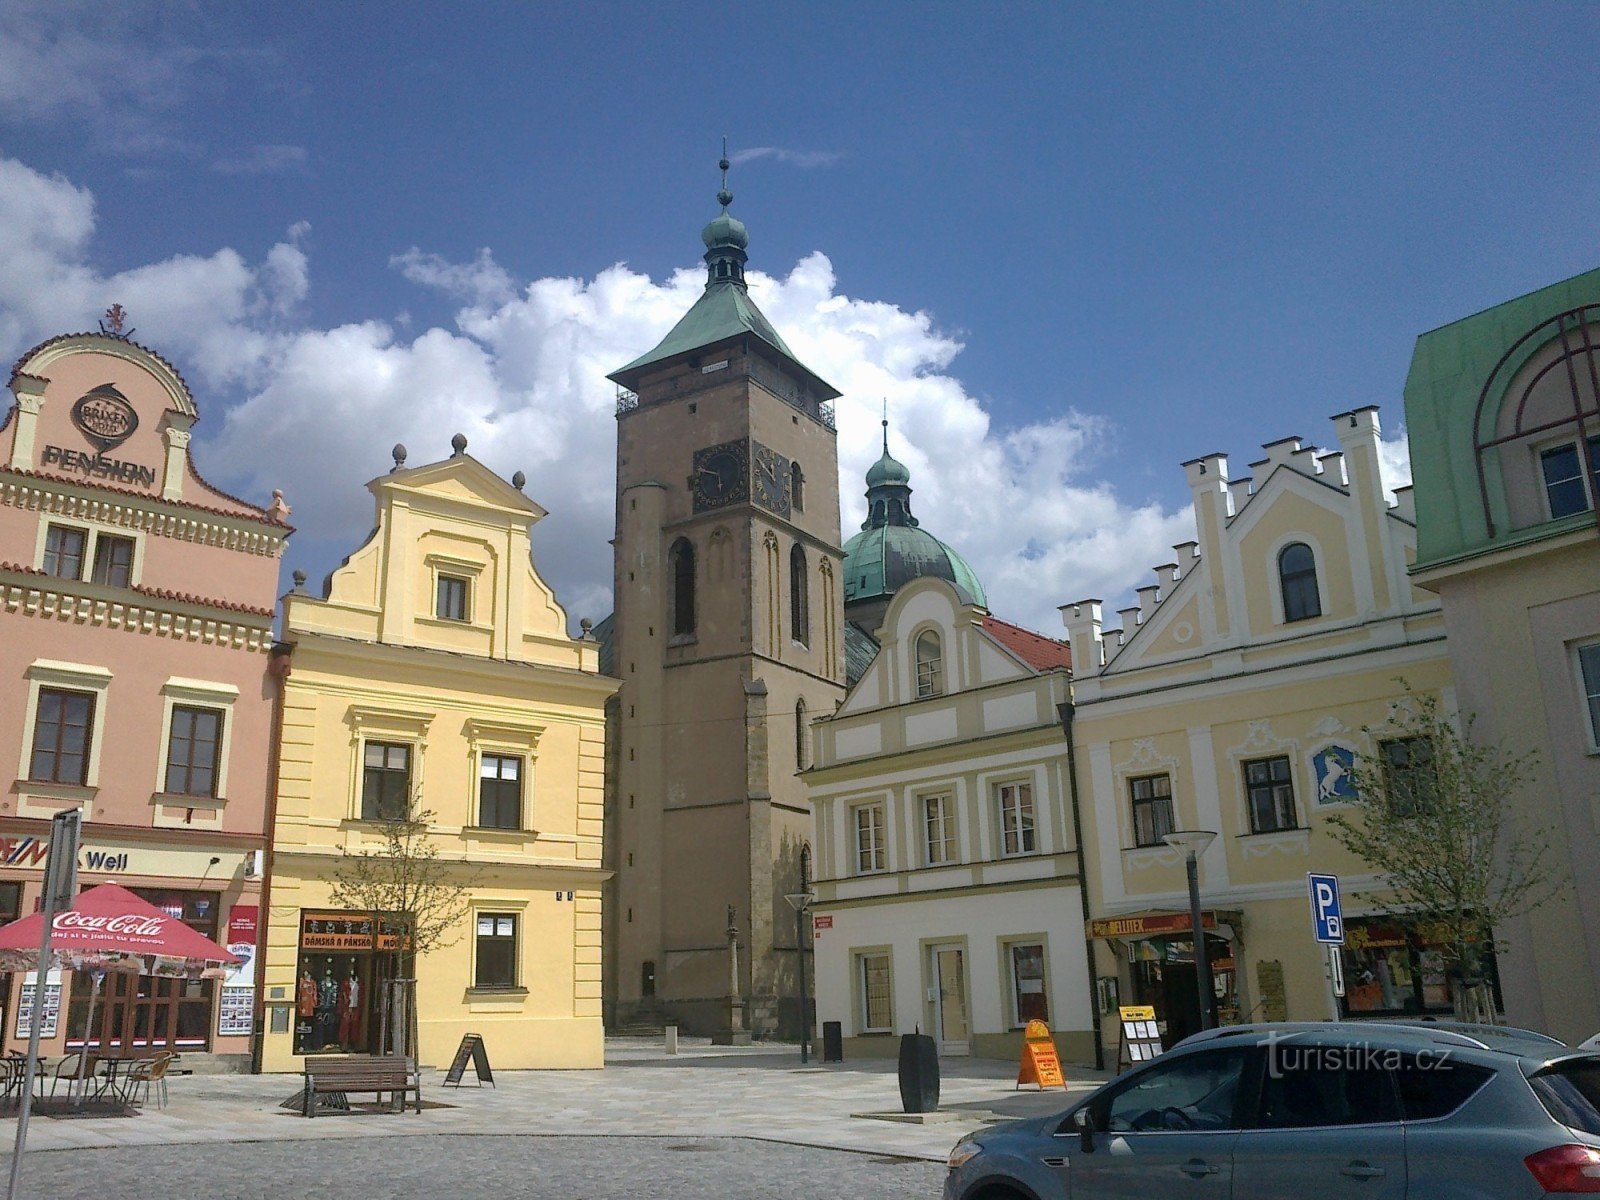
x: 1309, y: 1086
x: 1570, y: 1093
x: 1435, y: 1084
x: 1196, y: 1091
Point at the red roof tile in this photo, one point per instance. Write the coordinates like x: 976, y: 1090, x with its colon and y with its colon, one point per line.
x: 1039, y: 652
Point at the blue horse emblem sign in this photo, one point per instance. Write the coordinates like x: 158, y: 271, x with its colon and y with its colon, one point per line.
x: 1331, y: 766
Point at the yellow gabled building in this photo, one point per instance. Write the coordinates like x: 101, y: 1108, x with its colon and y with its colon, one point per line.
x: 438, y: 666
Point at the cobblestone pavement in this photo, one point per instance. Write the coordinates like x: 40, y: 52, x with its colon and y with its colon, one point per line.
x: 482, y: 1166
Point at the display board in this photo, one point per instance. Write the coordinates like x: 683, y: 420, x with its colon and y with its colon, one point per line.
x: 52, y: 1006
x: 471, y: 1049
x: 1140, y: 1037
x: 1040, y: 1065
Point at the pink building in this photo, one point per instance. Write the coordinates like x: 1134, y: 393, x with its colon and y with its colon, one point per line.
x: 136, y: 608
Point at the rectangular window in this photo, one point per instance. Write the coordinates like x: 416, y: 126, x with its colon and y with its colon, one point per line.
x: 497, y: 951
x: 1271, y: 791
x: 63, y: 552
x: 500, y: 792
x: 451, y: 599
x: 1152, y: 809
x: 877, y: 1014
x: 939, y: 827
x: 192, y: 749
x: 1027, y: 983
x: 385, y: 782
x: 1589, y: 677
x: 870, y: 849
x: 113, y: 560
x: 1408, y: 774
x: 1563, y: 470
x: 1016, y: 818
x: 61, y: 727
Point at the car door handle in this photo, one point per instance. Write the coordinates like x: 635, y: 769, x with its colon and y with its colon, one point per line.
x: 1198, y: 1167
x: 1361, y: 1170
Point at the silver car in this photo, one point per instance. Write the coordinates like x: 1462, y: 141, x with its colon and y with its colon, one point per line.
x: 1330, y: 1111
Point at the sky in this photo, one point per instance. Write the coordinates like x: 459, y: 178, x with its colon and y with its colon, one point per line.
x: 1070, y: 246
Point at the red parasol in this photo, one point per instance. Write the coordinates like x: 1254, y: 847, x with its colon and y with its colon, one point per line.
x: 111, y: 920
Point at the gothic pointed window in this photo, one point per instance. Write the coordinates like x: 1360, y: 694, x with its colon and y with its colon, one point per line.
x: 800, y: 733
x: 682, y: 560
x: 799, y: 597
x: 1297, y: 576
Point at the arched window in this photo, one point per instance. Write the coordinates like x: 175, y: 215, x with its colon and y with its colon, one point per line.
x: 682, y: 559
x: 799, y: 597
x: 805, y: 868
x: 800, y: 733
x: 930, y: 665
x: 1297, y: 576
x: 797, y: 487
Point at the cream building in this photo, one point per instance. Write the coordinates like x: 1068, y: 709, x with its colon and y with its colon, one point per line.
x: 947, y: 892
x: 437, y: 665
x: 1232, y: 700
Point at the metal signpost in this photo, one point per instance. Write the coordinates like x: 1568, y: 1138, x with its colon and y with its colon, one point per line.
x: 1327, y: 925
x: 60, y: 886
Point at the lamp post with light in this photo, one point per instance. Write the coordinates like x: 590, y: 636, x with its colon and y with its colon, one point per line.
x: 801, y: 902
x: 1193, y: 843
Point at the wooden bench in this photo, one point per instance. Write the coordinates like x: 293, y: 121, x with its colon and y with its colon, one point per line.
x: 379, y: 1074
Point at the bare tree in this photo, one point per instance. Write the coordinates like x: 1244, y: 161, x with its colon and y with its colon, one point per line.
x: 1435, y: 815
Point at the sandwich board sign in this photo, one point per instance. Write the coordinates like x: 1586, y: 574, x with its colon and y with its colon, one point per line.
x: 1140, y: 1038
x: 1040, y: 1065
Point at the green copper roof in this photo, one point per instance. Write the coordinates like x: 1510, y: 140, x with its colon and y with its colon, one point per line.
x: 1449, y: 369
x: 887, y: 470
x: 723, y: 311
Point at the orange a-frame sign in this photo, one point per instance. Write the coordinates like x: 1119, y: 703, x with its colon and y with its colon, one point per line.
x: 1039, y: 1062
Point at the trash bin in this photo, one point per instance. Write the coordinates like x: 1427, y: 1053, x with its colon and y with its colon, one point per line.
x: 919, y: 1073
x: 832, y: 1041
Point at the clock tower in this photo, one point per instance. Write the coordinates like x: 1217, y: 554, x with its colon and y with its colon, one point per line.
x: 728, y: 639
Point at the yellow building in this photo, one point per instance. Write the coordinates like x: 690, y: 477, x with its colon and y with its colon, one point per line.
x: 437, y: 666
x: 1232, y: 700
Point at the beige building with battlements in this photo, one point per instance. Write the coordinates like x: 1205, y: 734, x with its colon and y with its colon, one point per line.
x: 1232, y: 700
x: 436, y: 669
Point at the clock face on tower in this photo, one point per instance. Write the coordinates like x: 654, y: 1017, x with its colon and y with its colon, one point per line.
x: 721, y: 475
x: 770, y: 479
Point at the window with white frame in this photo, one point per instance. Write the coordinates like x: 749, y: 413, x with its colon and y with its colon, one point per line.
x: 1151, y: 796
x: 939, y: 829
x: 1269, y: 785
x: 1297, y: 581
x: 930, y: 665
x: 1028, y: 999
x: 500, y: 791
x: 871, y: 852
x: 113, y: 560
x: 452, y: 598
x: 1589, y: 680
x: 1562, y: 469
x: 385, y: 781
x: 877, y: 1008
x: 1015, y: 802
x: 496, y: 958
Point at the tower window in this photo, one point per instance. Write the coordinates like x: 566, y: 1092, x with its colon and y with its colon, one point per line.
x: 1297, y: 576
x: 930, y: 665
x: 799, y: 598
x: 800, y: 734
x: 797, y: 487
x: 682, y: 588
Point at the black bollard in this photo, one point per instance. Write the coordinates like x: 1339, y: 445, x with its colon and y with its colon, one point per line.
x: 919, y: 1073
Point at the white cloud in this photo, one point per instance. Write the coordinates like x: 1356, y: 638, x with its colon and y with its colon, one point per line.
x: 522, y: 374
x: 262, y: 160
x: 1394, y: 460
x: 794, y: 158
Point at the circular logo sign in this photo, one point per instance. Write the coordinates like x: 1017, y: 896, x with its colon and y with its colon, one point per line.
x: 104, y: 416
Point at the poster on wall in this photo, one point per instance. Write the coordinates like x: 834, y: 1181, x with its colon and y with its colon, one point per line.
x: 236, y: 1003
x: 52, y: 1006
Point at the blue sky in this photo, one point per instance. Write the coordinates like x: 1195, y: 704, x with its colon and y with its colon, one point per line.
x: 1073, y: 245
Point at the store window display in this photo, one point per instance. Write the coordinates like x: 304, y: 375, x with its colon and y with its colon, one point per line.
x: 1393, y: 971
x: 343, y: 964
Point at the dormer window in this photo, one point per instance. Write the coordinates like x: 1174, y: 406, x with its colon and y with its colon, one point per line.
x: 930, y: 665
x: 1297, y: 577
x: 451, y: 599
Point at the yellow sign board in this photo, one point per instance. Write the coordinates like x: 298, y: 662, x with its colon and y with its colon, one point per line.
x: 1040, y: 1065
x: 1140, y: 1038
x: 1137, y: 1012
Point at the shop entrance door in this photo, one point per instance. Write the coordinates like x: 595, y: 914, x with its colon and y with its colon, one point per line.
x: 949, y: 974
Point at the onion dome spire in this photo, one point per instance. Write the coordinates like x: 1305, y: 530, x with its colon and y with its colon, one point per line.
x: 725, y: 238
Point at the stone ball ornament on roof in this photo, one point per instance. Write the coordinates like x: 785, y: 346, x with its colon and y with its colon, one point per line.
x: 459, y: 444
x: 399, y: 455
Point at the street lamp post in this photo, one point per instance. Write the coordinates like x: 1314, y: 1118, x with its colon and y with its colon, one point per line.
x: 1193, y: 843
x: 801, y: 902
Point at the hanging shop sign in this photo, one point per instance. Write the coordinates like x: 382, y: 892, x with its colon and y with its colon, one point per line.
x: 1150, y: 925
x: 346, y: 933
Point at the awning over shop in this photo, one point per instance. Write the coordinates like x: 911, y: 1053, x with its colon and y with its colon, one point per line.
x: 110, y: 920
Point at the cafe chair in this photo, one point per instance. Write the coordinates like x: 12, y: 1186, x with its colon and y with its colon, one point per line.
x: 67, y: 1069
x: 149, y: 1073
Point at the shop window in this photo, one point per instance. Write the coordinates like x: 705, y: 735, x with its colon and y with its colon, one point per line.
x: 10, y: 902
x: 799, y: 597
x: 62, y: 725
x: 1027, y: 983
x: 385, y: 782
x: 1015, y: 801
x: 192, y: 746
x: 344, y: 968
x: 63, y: 551
x: 1391, y: 970
x: 939, y: 829
x: 1589, y: 682
x: 1152, y: 809
x: 870, y: 849
x: 1269, y: 785
x: 500, y: 791
x: 683, y: 588
x: 113, y: 560
x: 1409, y: 780
x: 451, y: 599
x: 497, y: 951
x: 1297, y: 578
x: 877, y: 1008
x: 930, y: 665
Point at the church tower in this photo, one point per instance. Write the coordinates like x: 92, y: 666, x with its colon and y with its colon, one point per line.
x: 727, y: 638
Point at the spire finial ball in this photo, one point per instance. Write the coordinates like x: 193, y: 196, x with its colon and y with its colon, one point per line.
x: 459, y: 443
x: 399, y: 455
x: 519, y: 480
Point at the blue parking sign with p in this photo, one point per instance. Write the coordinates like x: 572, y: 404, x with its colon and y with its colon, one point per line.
x: 1327, y: 918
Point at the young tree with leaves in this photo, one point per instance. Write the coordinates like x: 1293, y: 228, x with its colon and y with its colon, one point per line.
x: 1435, y: 815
